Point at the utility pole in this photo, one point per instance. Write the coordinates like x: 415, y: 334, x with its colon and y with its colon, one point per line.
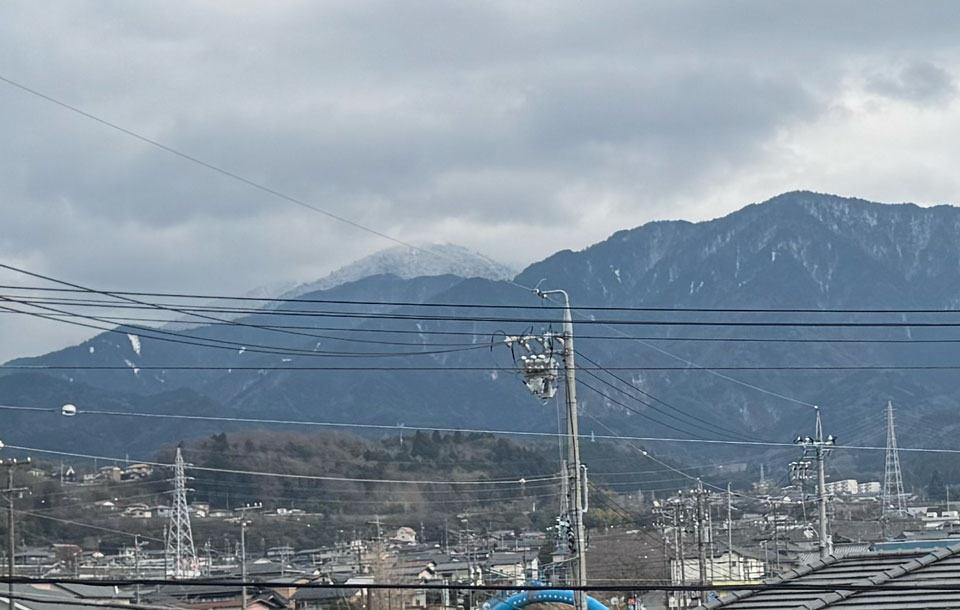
x: 661, y: 525
x: 730, y: 535
x: 711, y: 546
x: 666, y: 561
x: 243, y: 548
x: 540, y: 375
x: 10, y: 493
x: 136, y: 562
x: 701, y: 546
x: 820, y: 448
x: 776, y: 534
x: 243, y: 563
x: 681, y: 527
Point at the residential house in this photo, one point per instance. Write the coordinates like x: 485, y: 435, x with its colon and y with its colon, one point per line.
x: 109, y: 473
x: 845, y: 487
x: 135, y: 472
x: 105, y: 506
x: 735, y: 566
x: 405, y: 535
x: 137, y: 511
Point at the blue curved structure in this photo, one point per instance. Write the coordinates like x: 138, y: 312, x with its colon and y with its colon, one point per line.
x: 548, y: 595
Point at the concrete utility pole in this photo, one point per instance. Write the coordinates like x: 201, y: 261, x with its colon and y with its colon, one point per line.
x: 820, y: 447
x: 666, y: 561
x: 701, y: 546
x: 10, y: 493
x: 243, y: 548
x: 681, y: 527
x: 730, y: 535
x: 136, y: 562
x: 540, y: 375
x: 243, y: 563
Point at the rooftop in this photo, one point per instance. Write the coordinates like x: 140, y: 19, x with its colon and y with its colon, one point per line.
x: 887, y: 577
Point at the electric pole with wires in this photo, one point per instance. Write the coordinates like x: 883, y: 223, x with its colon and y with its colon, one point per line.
x: 819, y: 448
x: 541, y: 372
x: 9, y: 494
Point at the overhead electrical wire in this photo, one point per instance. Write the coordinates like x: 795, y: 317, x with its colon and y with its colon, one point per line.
x: 181, y: 337
x: 695, y: 421
x: 493, y: 431
x: 632, y: 410
x: 268, y: 584
x: 211, y: 166
x: 685, y: 369
x: 208, y: 297
x: 200, y: 313
x: 511, y: 481
x: 81, y: 524
x: 486, y: 335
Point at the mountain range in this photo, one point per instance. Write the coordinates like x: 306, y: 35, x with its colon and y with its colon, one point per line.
x: 644, y: 372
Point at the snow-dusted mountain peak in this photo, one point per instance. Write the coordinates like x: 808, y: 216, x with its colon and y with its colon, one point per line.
x: 409, y: 262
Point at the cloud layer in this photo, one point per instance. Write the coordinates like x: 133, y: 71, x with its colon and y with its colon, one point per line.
x: 511, y: 128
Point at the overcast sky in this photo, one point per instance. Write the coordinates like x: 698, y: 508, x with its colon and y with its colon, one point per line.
x: 513, y: 128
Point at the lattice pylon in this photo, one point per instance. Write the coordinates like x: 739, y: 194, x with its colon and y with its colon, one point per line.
x: 181, y: 555
x: 893, y: 496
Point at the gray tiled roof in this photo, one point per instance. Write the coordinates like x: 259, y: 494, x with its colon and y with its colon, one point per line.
x: 877, y: 571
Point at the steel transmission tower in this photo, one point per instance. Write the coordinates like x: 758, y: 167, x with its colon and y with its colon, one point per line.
x: 892, y: 478
x: 181, y: 555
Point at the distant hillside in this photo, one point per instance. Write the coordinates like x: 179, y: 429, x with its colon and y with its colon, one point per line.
x: 323, y: 486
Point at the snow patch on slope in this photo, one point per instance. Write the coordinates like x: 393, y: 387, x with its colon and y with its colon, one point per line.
x: 134, y: 343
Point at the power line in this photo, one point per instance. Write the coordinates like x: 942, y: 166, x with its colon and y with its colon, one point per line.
x: 425, y: 332
x: 208, y: 297
x: 686, y: 369
x: 192, y: 311
x: 211, y: 166
x: 492, y: 431
x: 87, y: 525
x: 697, y: 421
x: 268, y: 584
x: 512, y: 481
x: 631, y: 409
x: 224, y: 343
x: 481, y: 319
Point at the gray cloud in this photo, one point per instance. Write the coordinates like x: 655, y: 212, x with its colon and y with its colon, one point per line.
x: 921, y: 82
x: 468, y: 122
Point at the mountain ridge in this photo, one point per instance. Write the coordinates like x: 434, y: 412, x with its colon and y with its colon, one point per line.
x: 799, y: 249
